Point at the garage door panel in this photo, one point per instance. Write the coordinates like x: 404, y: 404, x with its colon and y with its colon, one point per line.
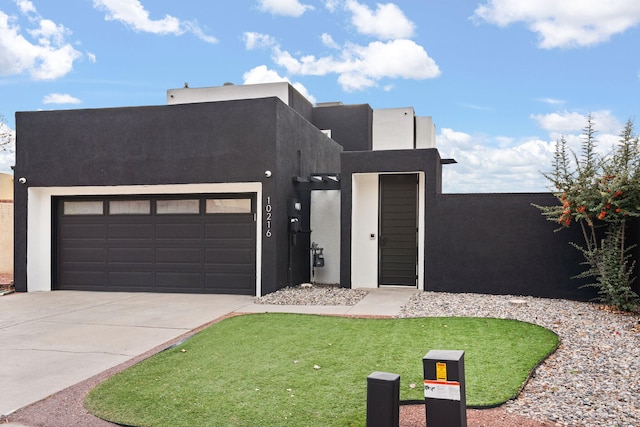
x: 131, y: 255
x: 228, y: 231
x: 84, y: 231
x: 228, y: 256
x: 210, y: 252
x: 230, y: 283
x: 87, y: 244
x: 131, y: 231
x: 87, y: 278
x: 83, y: 267
x: 178, y: 231
x: 179, y: 256
x: 138, y: 279
x: 185, y: 281
x: 84, y: 254
x: 227, y: 244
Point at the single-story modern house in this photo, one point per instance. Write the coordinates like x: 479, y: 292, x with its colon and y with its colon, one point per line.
x: 227, y: 190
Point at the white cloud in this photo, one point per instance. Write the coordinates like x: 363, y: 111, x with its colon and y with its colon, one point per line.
x: 133, y: 14
x: 386, y: 22
x: 561, y: 122
x: 262, y: 74
x: 504, y: 164
x: 552, y: 101
x: 26, y: 6
x: 567, y: 23
x: 359, y: 67
x: 291, y: 8
x: 476, y: 107
x: 332, y: 5
x: 566, y: 122
x: 44, y: 55
x: 482, y: 168
x: 195, y: 29
x: 328, y: 41
x: 257, y: 40
x: 60, y: 98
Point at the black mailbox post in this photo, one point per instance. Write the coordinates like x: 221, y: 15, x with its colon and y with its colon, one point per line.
x: 444, y: 388
x: 383, y: 400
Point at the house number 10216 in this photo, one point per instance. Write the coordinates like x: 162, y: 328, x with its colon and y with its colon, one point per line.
x: 267, y: 211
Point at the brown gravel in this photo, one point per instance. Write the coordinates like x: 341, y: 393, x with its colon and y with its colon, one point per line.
x: 65, y: 408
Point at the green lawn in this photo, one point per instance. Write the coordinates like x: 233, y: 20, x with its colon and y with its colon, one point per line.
x: 304, y: 370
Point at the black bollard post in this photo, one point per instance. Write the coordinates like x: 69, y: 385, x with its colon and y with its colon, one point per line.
x: 383, y: 400
x: 444, y: 388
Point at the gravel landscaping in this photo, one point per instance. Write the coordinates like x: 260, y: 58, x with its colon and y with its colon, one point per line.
x: 314, y: 295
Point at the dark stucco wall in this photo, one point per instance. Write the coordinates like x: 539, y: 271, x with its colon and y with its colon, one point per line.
x: 231, y: 141
x: 301, y: 150
x: 501, y: 244
x: 399, y: 161
x: 300, y: 104
x: 209, y: 142
x: 351, y: 125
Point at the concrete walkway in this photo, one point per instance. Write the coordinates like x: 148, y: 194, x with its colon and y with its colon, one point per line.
x: 52, y: 340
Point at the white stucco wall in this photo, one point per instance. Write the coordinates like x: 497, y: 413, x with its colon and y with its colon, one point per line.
x: 393, y: 128
x: 364, y: 223
x: 228, y: 93
x: 325, y: 231
x: 425, y: 132
x: 39, y: 231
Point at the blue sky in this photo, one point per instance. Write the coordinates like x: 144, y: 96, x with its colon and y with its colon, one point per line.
x: 503, y: 79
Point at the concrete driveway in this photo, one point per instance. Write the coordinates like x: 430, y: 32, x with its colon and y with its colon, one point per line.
x: 52, y: 340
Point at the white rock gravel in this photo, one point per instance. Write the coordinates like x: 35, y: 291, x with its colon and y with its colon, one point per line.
x: 314, y: 295
x: 593, y: 379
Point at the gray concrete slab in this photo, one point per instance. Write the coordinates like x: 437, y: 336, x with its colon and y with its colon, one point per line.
x: 52, y: 340
x: 385, y: 301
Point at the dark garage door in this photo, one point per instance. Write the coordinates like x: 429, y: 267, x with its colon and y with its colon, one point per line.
x: 190, y: 243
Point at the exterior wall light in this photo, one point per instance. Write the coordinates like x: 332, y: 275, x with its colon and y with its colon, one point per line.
x: 267, y: 174
x: 22, y: 180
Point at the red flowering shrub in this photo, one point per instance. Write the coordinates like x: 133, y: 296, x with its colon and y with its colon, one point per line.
x: 600, y: 194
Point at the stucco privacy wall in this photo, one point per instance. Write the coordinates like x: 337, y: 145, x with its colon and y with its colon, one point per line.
x: 501, y: 244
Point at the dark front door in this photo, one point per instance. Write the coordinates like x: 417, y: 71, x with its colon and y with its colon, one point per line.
x: 398, y: 243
